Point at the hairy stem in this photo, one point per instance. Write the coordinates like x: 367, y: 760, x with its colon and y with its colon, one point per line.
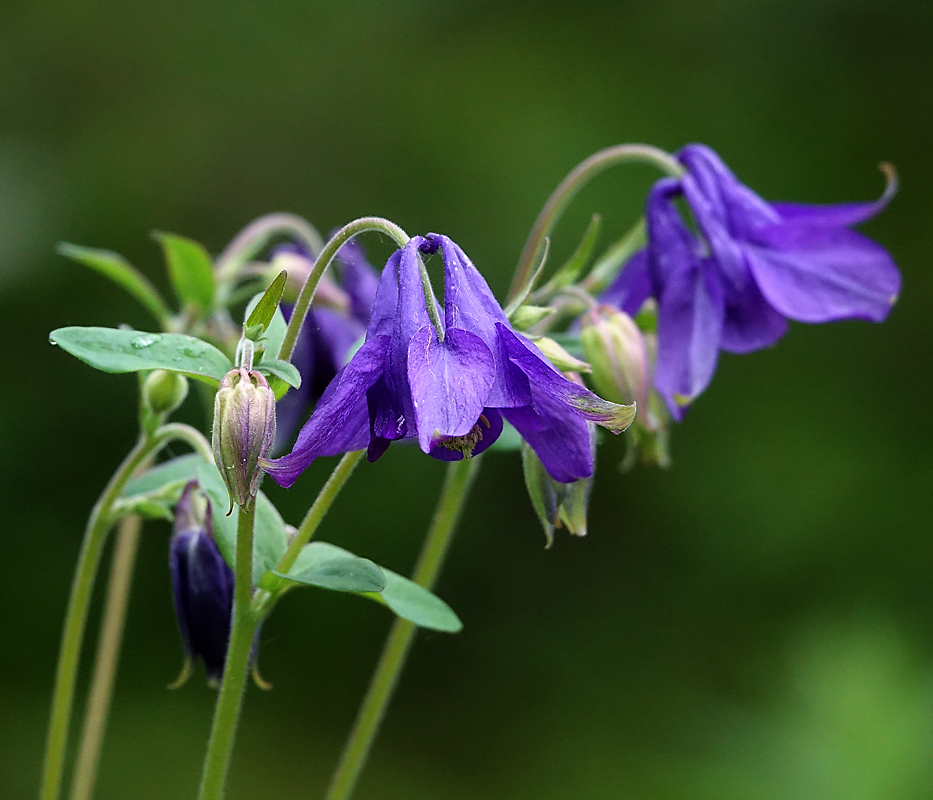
x: 576, y: 179
x: 236, y: 667
x: 460, y: 475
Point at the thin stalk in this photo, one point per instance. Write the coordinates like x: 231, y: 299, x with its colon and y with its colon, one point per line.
x: 576, y: 179
x: 264, y: 600
x: 347, y: 232
x: 95, y: 536
x: 320, y: 507
x: 236, y: 667
x: 249, y: 242
x: 460, y: 475
x: 108, y: 654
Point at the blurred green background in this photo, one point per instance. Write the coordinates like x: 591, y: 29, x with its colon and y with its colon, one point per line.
x: 753, y: 623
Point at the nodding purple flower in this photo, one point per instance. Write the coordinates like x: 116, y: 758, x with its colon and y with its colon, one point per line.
x: 450, y: 391
x: 335, y: 322
x: 202, y: 584
x: 751, y: 267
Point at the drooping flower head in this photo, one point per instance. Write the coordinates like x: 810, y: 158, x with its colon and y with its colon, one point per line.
x: 202, y: 583
x: 449, y: 389
x: 335, y: 323
x: 751, y: 267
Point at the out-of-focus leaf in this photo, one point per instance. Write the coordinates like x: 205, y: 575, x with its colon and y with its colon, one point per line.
x: 120, y: 271
x: 190, y: 268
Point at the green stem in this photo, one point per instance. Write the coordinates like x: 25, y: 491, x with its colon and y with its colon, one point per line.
x: 264, y: 600
x: 320, y: 507
x: 236, y: 667
x: 95, y: 536
x: 347, y: 232
x: 108, y: 654
x: 576, y: 179
x: 460, y: 475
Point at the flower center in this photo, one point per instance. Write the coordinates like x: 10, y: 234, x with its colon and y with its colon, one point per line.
x: 467, y: 443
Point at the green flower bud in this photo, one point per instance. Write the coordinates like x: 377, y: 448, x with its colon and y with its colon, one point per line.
x: 164, y: 391
x: 618, y: 354
x: 243, y: 432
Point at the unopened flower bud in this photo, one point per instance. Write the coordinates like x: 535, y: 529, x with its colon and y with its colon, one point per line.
x: 202, y: 585
x: 617, y: 352
x: 243, y: 432
x: 164, y: 391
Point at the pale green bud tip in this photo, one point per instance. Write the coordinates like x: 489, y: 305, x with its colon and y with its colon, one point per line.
x: 243, y: 432
x: 164, y: 391
x: 616, y: 349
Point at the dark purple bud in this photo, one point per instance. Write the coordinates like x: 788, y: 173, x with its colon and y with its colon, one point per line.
x: 202, y: 584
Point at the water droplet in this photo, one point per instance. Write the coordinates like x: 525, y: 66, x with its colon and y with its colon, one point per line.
x: 144, y: 341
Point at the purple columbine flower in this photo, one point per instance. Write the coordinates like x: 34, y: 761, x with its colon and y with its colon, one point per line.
x: 202, y: 584
x: 754, y: 266
x: 450, y: 392
x: 335, y: 323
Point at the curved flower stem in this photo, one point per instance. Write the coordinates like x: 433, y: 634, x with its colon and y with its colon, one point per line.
x: 95, y: 536
x: 576, y: 179
x: 347, y: 232
x: 264, y: 600
x: 236, y: 667
x: 460, y: 475
x: 249, y: 242
x: 108, y: 654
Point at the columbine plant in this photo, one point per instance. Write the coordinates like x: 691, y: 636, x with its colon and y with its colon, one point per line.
x: 379, y: 360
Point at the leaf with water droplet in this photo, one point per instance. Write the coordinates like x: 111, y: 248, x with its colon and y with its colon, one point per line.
x: 118, y: 350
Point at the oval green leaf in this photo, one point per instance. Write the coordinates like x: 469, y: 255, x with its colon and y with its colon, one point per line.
x: 190, y: 268
x: 330, y: 567
x: 281, y: 369
x: 413, y: 602
x: 117, y: 350
x: 183, y: 468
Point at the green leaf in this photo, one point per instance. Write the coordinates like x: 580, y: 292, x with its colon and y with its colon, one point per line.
x: 190, y: 269
x: 607, y: 265
x: 145, y: 507
x: 330, y: 567
x: 269, y: 539
x: 183, y: 468
x: 264, y: 310
x: 281, y: 369
x: 571, y: 269
x: 118, y: 350
x: 530, y: 283
x: 416, y: 604
x: 115, y: 267
x: 269, y: 344
x: 541, y: 492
